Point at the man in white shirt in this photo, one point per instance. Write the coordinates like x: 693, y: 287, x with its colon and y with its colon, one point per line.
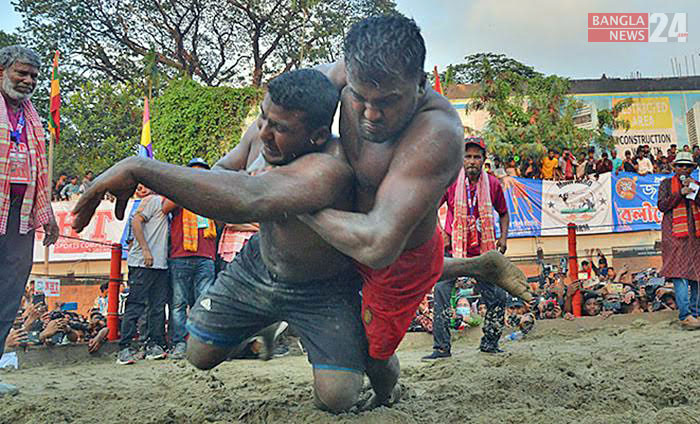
x: 644, y: 164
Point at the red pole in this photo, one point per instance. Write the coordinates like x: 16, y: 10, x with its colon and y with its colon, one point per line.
x: 115, y: 277
x: 573, y: 269
x: 573, y: 259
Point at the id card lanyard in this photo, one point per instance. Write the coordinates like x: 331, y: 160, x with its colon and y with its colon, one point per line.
x: 16, y: 135
x: 470, y: 204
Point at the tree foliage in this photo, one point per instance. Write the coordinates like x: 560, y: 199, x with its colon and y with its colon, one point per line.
x: 101, y: 124
x: 7, y: 39
x: 529, y: 115
x: 212, y: 41
x: 190, y: 120
x: 475, y: 66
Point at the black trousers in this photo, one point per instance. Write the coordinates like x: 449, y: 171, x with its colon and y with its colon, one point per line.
x: 493, y: 297
x: 147, y: 286
x: 16, y: 257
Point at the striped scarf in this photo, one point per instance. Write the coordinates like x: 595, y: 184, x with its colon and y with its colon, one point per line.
x: 36, y: 204
x: 460, y: 229
x: 190, y: 233
x: 680, y: 213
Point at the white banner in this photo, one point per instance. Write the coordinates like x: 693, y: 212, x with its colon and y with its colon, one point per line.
x: 103, y: 228
x: 49, y: 287
x: 588, y: 204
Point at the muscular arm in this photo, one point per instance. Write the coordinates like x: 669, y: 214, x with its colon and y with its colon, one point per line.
x: 335, y: 72
x: 411, y: 188
x: 236, y: 159
x: 306, y: 185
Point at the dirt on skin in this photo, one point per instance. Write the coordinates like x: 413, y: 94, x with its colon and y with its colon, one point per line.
x: 631, y: 370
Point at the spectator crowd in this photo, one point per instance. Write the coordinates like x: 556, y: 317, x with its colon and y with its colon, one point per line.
x: 600, y: 291
x: 565, y: 165
x: 70, y: 187
x: 35, y: 325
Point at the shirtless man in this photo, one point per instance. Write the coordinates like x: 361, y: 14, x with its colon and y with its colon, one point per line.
x: 405, y: 143
x: 287, y: 264
x: 286, y: 271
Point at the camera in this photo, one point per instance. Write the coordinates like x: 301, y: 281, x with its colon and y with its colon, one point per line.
x: 79, y: 326
x: 550, y: 305
x: 55, y: 315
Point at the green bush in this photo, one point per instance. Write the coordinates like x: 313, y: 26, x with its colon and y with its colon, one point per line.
x: 190, y: 120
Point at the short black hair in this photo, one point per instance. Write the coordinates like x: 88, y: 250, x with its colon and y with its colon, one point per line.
x: 384, y: 47
x: 104, y: 286
x: 627, y: 152
x: 584, y: 263
x: 308, y: 91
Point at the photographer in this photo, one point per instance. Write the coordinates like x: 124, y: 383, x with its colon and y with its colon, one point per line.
x: 546, y: 308
x: 57, y: 330
x: 568, y: 164
x: 97, y: 331
x: 18, y: 336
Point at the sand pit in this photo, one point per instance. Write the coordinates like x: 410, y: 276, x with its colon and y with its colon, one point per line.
x: 641, y: 369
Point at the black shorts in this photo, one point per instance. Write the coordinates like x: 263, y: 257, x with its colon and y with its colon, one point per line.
x: 247, y: 297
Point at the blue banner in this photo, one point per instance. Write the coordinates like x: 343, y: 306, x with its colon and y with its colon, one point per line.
x: 634, y: 201
x: 524, y: 198
x: 611, y: 203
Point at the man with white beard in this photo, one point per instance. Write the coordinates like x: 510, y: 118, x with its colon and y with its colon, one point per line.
x: 24, y: 200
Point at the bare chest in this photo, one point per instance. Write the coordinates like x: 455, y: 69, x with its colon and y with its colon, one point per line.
x: 370, y: 162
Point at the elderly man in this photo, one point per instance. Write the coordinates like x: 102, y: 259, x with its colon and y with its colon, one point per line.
x: 24, y: 199
x: 680, y: 238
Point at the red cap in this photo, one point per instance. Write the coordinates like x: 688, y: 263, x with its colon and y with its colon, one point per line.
x: 477, y: 141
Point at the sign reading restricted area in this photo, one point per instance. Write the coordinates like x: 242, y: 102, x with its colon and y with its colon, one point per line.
x: 651, y: 123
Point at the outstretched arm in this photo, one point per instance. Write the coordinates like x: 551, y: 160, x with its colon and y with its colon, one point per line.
x: 308, y: 184
x: 412, y: 187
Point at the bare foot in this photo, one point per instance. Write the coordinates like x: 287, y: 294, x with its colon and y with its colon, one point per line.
x: 506, y: 275
x: 374, y: 401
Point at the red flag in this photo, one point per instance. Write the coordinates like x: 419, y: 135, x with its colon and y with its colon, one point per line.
x: 437, y: 87
x: 55, y: 102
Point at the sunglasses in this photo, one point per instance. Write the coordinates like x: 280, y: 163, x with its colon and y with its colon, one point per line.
x: 685, y: 165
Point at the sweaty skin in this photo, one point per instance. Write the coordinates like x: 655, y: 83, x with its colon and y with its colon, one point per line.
x: 273, y: 198
x: 405, y: 145
x: 398, y: 180
x: 304, y: 182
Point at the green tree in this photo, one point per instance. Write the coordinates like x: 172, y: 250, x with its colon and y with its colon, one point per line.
x: 529, y: 115
x: 190, y: 120
x: 101, y: 124
x: 213, y: 41
x: 476, y: 66
x: 7, y: 39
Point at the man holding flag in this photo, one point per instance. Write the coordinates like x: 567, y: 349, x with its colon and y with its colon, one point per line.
x: 24, y: 183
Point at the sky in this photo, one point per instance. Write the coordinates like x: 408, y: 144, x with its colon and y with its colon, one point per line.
x: 549, y: 35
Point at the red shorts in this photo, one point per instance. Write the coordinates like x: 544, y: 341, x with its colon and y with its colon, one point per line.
x: 391, y: 295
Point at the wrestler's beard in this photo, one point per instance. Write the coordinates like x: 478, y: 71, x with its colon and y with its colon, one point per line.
x: 9, y: 89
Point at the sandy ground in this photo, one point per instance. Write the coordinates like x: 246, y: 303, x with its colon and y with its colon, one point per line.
x: 631, y: 371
